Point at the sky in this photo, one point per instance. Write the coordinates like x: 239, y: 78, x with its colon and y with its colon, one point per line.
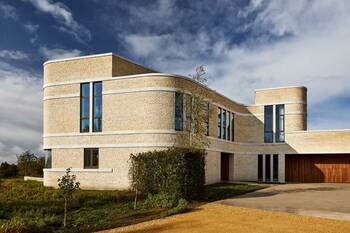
x: 243, y: 44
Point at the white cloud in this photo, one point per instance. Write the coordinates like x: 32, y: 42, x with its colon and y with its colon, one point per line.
x: 31, y: 28
x: 13, y: 54
x: 21, y: 112
x: 64, y: 17
x: 58, y: 53
x: 309, y: 46
x: 8, y: 11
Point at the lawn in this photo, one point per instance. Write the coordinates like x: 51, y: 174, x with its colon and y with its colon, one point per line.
x: 27, y: 206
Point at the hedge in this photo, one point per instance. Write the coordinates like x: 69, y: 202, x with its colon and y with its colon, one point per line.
x: 175, y: 171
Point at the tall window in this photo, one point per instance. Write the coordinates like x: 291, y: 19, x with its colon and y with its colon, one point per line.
x: 91, y: 158
x: 188, y: 111
x: 232, y: 126
x: 84, y: 107
x: 206, y: 109
x: 224, y: 124
x: 280, y: 123
x: 275, y: 167
x: 268, y: 123
x: 260, y: 167
x: 178, y: 111
x: 48, y: 158
x: 228, y: 125
x: 97, y: 107
x: 219, y: 122
x: 267, y: 167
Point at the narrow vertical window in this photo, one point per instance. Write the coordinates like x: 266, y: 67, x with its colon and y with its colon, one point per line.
x: 267, y: 167
x: 48, y: 158
x: 268, y: 123
x: 224, y: 124
x: 178, y: 111
x: 275, y: 168
x: 228, y: 125
x: 219, y: 122
x: 280, y: 123
x: 206, y: 109
x: 233, y: 127
x: 260, y: 167
x: 91, y: 158
x: 84, y: 107
x: 188, y: 112
x: 97, y: 107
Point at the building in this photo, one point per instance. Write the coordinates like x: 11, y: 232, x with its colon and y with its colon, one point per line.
x: 99, y: 109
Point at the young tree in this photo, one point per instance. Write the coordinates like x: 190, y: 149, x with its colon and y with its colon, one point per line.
x: 196, y: 113
x: 26, y: 163
x: 67, y: 186
x: 30, y: 165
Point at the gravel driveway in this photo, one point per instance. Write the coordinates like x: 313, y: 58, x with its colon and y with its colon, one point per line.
x: 321, y: 200
x: 224, y: 219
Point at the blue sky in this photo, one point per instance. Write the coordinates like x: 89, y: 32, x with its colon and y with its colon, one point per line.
x: 244, y: 45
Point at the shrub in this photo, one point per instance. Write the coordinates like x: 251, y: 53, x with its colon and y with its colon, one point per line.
x: 175, y: 171
x: 8, y: 170
x: 181, y: 207
x: 160, y: 200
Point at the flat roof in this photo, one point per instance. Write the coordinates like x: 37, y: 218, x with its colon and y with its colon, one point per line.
x: 276, y: 88
x: 95, y: 55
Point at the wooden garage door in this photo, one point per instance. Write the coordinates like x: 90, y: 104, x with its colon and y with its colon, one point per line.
x: 318, y: 168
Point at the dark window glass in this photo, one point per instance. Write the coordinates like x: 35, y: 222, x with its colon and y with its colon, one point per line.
x: 228, y: 125
x: 275, y: 167
x: 232, y: 127
x: 188, y: 111
x: 178, y: 111
x: 219, y: 122
x: 260, y: 167
x: 91, y: 158
x: 48, y: 159
x: 224, y: 124
x: 280, y: 123
x: 206, y: 118
x: 268, y: 123
x: 84, y: 107
x: 267, y: 167
x: 97, y: 107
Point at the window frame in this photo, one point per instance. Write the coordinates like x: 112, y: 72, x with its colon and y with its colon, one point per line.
x: 93, y: 107
x: 48, y: 158
x: 275, y: 167
x: 219, y: 122
x: 278, y: 117
x: 89, y: 152
x: 82, y: 99
x: 207, y: 116
x: 179, y: 114
x: 266, y: 119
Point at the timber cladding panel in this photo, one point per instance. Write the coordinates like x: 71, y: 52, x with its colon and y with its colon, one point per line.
x: 320, y: 168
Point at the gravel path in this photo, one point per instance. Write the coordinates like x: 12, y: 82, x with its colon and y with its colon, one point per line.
x: 220, y: 218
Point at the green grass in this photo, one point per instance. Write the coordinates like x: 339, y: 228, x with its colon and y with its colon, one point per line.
x: 221, y: 191
x: 27, y: 206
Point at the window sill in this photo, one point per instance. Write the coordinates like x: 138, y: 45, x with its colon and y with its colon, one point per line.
x: 82, y: 170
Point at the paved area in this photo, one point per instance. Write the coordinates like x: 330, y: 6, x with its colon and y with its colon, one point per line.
x: 220, y: 218
x: 320, y: 200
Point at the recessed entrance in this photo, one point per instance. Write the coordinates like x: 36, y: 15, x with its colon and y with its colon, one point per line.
x: 225, y: 166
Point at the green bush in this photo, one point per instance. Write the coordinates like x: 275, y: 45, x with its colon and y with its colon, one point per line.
x: 181, y: 207
x: 160, y: 200
x: 8, y: 170
x: 175, y: 171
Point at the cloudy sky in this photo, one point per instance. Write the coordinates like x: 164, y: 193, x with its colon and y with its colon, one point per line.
x: 244, y: 45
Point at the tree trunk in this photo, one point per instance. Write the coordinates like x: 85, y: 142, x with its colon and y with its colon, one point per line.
x: 135, y: 200
x: 65, y: 213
